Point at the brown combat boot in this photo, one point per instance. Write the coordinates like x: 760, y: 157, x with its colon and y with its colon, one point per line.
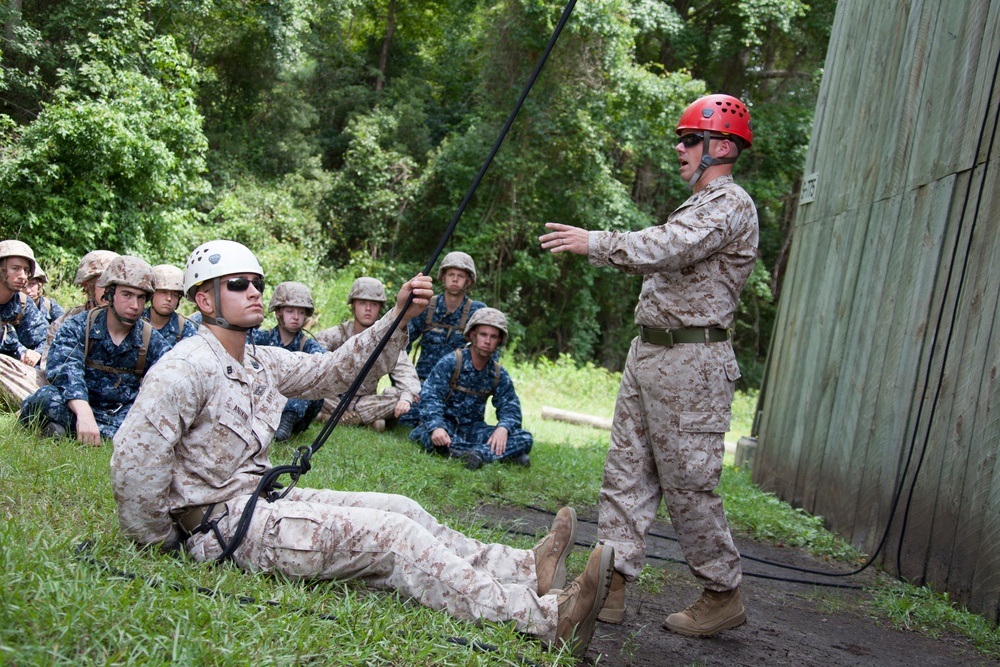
x: 580, y: 603
x: 614, y: 607
x: 552, y: 550
x: 378, y: 425
x: 712, y: 613
x: 350, y: 418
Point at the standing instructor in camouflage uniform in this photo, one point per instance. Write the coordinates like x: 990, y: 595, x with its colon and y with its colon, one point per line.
x: 190, y: 455
x: 673, y: 405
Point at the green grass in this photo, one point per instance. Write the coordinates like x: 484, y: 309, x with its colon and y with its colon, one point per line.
x: 60, y: 610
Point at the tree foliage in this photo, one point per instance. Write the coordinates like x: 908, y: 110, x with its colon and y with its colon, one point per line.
x: 346, y: 132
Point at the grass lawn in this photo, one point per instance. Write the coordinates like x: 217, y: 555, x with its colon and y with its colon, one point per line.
x: 63, y: 609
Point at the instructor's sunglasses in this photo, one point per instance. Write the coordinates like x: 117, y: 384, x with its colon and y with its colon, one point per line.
x: 690, y: 140
x: 241, y: 284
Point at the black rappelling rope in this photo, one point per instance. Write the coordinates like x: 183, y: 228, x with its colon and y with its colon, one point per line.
x: 302, y: 462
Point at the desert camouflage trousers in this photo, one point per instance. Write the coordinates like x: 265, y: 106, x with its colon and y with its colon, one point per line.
x: 17, y: 381
x: 671, y: 415
x: 370, y: 408
x: 392, y: 543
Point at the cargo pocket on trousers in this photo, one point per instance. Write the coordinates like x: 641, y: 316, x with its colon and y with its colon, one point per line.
x: 297, y: 545
x: 699, y: 450
x: 733, y: 371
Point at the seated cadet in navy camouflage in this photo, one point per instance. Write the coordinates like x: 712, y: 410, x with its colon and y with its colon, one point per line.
x: 35, y: 289
x: 88, y: 273
x: 292, y: 305
x: 98, y: 360
x: 441, y: 328
x: 453, y: 400
x: 22, y: 326
x: 168, y: 283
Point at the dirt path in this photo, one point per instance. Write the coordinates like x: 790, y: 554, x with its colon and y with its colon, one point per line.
x: 787, y: 623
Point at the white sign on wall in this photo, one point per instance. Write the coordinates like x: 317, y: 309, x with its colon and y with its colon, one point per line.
x: 808, y: 193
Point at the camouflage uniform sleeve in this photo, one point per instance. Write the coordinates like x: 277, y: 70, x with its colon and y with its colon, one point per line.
x: 690, y: 234
x: 301, y: 375
x: 65, y: 368
x: 31, y: 330
x: 435, y: 391
x: 415, y: 328
x: 506, y: 402
x: 55, y: 311
x: 143, y: 459
x: 404, y: 377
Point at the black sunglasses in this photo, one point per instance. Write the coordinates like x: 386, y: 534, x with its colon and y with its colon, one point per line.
x: 241, y: 284
x: 690, y: 140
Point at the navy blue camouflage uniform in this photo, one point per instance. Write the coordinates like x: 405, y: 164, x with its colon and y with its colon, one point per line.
x: 171, y: 331
x: 445, y: 333
x: 462, y: 414
x: 28, y: 334
x: 110, y: 394
x: 49, y: 309
x: 305, y: 411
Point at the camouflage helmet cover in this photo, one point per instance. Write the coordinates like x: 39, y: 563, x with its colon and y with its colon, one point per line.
x: 93, y: 264
x: 168, y: 277
x: 293, y: 294
x: 15, y: 248
x: 491, y: 317
x: 458, y: 260
x: 128, y: 271
x: 39, y: 274
x: 366, y: 289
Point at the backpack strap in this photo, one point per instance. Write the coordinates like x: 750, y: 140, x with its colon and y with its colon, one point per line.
x: 140, y: 362
x: 180, y: 326
x: 431, y: 307
x: 23, y: 298
x: 465, y: 315
x: 454, y: 386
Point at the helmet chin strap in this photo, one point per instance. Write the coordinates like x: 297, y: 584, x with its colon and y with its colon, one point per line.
x: 219, y: 320
x: 109, y: 296
x: 707, y: 160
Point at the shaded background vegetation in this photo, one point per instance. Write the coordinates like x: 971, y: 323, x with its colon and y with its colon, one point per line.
x: 334, y: 135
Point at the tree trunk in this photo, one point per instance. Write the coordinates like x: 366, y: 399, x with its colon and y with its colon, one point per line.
x: 15, y: 18
x: 384, y: 57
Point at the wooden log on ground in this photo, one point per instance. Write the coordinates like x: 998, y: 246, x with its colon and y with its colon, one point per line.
x: 575, y: 418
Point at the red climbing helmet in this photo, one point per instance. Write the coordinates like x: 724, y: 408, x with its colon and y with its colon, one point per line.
x: 718, y: 113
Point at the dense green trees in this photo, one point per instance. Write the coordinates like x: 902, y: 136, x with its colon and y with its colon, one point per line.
x: 329, y: 132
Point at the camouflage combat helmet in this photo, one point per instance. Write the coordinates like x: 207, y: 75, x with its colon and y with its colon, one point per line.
x: 458, y: 260
x: 39, y: 274
x: 491, y: 317
x: 293, y: 294
x: 128, y: 271
x: 15, y: 248
x: 366, y: 289
x: 93, y: 264
x: 168, y: 277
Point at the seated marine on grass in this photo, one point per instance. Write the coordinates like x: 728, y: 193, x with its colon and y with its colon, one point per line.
x: 190, y: 454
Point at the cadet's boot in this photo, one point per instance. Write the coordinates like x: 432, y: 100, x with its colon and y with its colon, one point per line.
x: 378, y: 425
x: 712, y: 613
x: 350, y: 418
x: 580, y: 603
x: 54, y: 430
x: 285, y: 426
x: 614, y: 607
x: 551, y: 551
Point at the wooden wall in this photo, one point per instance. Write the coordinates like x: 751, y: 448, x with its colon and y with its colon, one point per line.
x: 882, y: 404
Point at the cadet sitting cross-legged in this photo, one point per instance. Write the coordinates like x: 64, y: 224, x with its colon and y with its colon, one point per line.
x: 453, y: 400
x: 190, y: 454
x: 366, y: 299
x: 98, y: 359
x: 292, y: 305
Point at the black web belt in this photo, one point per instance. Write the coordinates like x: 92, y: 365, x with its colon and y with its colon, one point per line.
x: 671, y: 337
